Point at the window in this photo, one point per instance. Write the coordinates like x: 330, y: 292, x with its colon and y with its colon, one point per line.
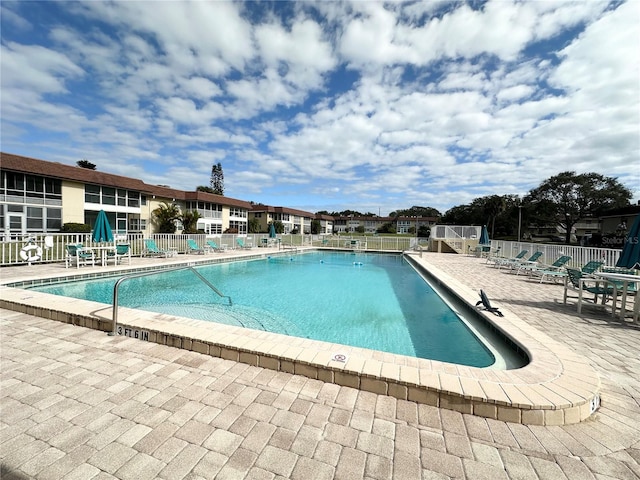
x: 34, y: 218
x: 108, y: 196
x: 54, y: 219
x: 122, y: 197
x: 143, y: 199
x: 15, y: 184
x: 53, y: 188
x: 35, y: 186
x: 240, y: 226
x: 134, y: 198
x: 92, y: 193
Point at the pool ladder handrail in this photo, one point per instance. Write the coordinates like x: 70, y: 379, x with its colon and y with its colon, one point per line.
x: 147, y: 274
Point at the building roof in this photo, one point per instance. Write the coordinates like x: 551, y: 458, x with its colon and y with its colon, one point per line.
x: 290, y: 211
x: 18, y: 163
x: 617, y: 212
x: 61, y: 171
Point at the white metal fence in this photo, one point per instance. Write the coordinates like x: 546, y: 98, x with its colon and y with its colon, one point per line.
x: 52, y: 247
x: 47, y: 248
x: 579, y: 255
x: 451, y: 232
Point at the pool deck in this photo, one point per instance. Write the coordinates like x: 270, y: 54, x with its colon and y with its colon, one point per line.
x: 87, y: 405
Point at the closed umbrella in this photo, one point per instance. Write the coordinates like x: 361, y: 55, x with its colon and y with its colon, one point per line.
x: 484, y: 236
x: 272, y: 231
x: 630, y: 256
x: 102, y: 230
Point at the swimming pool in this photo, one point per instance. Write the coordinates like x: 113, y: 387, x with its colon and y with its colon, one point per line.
x: 373, y: 301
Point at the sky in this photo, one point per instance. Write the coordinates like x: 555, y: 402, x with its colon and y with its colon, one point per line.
x: 365, y: 105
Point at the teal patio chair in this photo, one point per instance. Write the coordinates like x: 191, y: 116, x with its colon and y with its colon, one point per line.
x: 555, y: 270
x: 242, y: 245
x: 511, y: 261
x: 122, y: 250
x: 212, y: 246
x: 79, y: 255
x: 193, y: 247
x: 152, y: 250
x: 581, y: 282
x: 498, y: 260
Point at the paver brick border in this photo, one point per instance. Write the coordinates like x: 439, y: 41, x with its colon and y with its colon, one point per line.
x: 556, y: 387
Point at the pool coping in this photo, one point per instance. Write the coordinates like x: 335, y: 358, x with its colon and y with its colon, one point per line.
x: 557, y: 386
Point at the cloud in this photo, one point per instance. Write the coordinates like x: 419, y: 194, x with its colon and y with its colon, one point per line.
x: 368, y: 103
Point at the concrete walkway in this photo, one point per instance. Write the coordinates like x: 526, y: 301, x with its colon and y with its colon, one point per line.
x: 78, y: 404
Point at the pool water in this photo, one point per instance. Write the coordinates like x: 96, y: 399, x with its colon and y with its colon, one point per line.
x: 375, y: 301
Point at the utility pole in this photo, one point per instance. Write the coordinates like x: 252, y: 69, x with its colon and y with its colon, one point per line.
x: 519, y: 220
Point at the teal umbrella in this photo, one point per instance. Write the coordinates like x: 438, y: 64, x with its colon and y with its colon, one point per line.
x: 630, y: 256
x: 272, y: 231
x: 484, y: 236
x: 102, y: 230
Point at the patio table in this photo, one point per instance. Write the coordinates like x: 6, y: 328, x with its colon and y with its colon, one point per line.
x: 103, y: 250
x: 614, y: 279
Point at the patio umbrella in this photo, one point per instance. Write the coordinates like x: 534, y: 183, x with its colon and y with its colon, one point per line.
x: 630, y: 256
x: 272, y: 231
x: 102, y: 230
x: 484, y: 236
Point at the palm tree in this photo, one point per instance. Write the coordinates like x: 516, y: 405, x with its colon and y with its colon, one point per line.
x: 189, y: 221
x: 494, y: 205
x: 165, y: 216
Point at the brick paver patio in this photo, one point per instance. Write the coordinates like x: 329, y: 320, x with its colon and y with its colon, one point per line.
x: 78, y: 404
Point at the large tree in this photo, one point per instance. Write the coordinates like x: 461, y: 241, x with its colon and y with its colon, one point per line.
x: 416, y: 211
x: 491, y: 207
x: 217, y: 179
x: 567, y: 197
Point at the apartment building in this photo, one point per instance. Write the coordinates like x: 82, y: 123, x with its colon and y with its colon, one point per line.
x: 38, y: 196
x: 293, y: 220
x: 353, y: 224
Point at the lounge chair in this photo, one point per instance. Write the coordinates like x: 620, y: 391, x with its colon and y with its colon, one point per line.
x: 581, y: 282
x: 532, y: 260
x: 152, y: 250
x: 555, y: 270
x: 242, y: 245
x: 212, y: 246
x: 510, y: 261
x: 79, y: 255
x: 122, y: 250
x: 494, y: 255
x: 193, y: 247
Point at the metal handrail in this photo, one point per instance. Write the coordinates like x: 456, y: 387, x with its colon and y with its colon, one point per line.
x: 147, y: 274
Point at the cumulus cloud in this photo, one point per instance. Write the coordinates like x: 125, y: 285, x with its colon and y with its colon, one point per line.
x: 372, y: 104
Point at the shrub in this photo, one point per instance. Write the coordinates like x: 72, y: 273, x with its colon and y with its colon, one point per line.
x: 72, y: 227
